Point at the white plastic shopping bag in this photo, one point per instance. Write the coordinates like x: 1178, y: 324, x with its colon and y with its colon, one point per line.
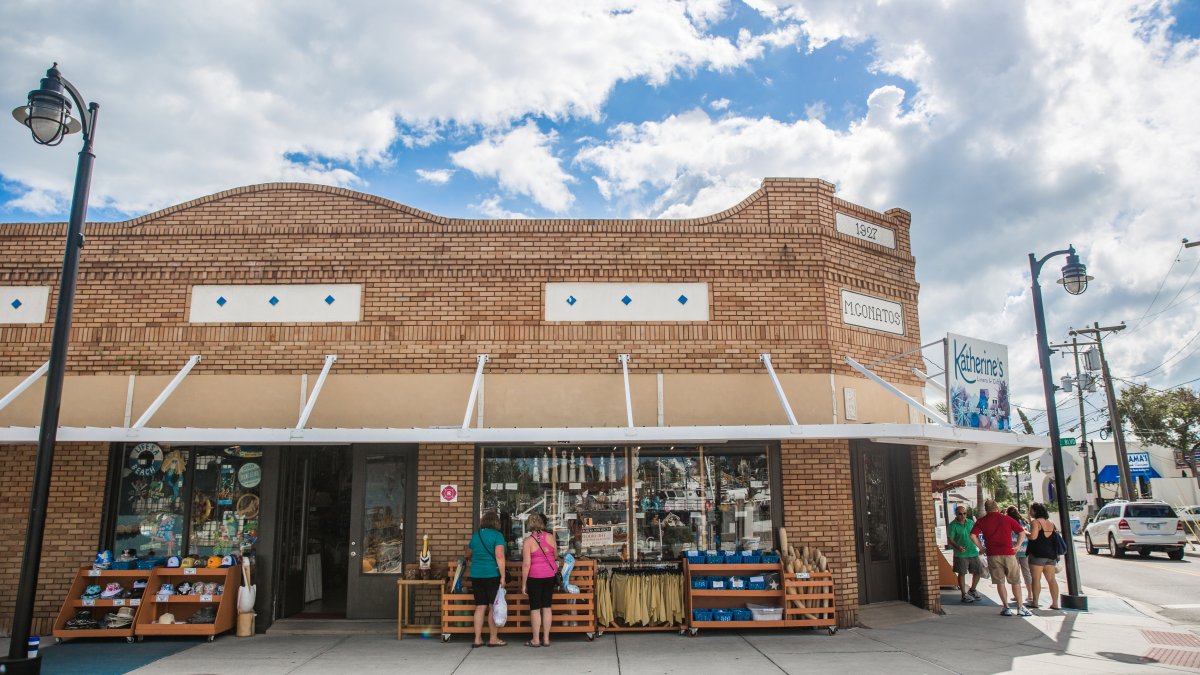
x: 984, y: 573
x: 500, y: 608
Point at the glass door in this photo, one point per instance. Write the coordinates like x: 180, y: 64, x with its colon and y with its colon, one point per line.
x: 383, y: 503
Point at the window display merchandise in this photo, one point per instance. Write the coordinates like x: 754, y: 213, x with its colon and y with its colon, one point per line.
x: 219, y: 518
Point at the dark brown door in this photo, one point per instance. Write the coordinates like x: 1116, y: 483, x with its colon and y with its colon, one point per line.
x: 874, y: 524
x: 293, y: 501
x: 383, y: 501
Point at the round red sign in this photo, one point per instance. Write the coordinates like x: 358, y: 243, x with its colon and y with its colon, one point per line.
x: 449, y: 493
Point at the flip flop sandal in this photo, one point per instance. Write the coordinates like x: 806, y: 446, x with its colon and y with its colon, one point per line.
x: 476, y: 645
x: 529, y: 643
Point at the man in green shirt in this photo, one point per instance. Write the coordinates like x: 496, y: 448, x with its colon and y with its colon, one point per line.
x: 966, y: 554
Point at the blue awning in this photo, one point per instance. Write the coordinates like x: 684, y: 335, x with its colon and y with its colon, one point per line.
x: 1110, y: 474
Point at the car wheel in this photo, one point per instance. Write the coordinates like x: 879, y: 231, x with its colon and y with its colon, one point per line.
x: 1113, y: 549
x: 1177, y: 554
x: 1087, y: 544
x: 1144, y: 552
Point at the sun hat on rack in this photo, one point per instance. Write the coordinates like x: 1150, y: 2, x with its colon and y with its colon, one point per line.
x: 214, y: 561
x: 103, y: 560
x: 173, y: 561
x: 113, y: 590
x: 166, y: 618
x: 91, y: 592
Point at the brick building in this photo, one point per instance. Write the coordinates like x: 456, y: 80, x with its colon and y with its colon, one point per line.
x: 331, y: 471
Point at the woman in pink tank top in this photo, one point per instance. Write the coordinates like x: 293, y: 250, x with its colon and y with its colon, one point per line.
x: 538, y: 570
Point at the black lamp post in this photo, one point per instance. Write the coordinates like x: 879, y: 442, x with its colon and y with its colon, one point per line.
x: 48, y: 116
x: 1075, y: 280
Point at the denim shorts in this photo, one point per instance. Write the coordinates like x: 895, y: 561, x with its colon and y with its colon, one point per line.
x: 1043, y: 562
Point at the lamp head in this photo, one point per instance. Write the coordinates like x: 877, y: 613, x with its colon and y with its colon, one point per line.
x: 48, y: 112
x: 1074, y: 274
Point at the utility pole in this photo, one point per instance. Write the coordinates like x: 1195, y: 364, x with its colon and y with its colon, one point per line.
x: 1096, y: 474
x: 1079, y: 391
x: 1114, y: 414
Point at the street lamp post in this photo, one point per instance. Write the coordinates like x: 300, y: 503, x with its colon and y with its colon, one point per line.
x: 48, y: 117
x: 1074, y: 280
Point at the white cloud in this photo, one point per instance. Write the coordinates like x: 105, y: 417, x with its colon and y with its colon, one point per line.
x: 490, y: 207
x: 205, y: 96
x: 719, y: 104
x: 1026, y: 128
x: 523, y: 162
x: 816, y: 111
x: 435, y: 176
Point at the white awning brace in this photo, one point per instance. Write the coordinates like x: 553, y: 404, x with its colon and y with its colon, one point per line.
x: 166, y: 393
x: 330, y: 359
x: 482, y: 359
x: 787, y: 407
x: 25, y: 384
x: 624, y: 359
x: 931, y: 380
x: 933, y: 415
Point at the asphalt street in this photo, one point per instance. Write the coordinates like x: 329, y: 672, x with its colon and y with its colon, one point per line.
x: 1173, y: 585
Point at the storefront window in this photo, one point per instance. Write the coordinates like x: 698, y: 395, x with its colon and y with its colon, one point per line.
x: 150, y: 506
x: 153, y: 514
x: 582, y: 492
x: 682, y: 498
x: 225, y: 501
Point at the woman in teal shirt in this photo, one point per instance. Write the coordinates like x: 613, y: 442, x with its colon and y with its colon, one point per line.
x: 486, y: 553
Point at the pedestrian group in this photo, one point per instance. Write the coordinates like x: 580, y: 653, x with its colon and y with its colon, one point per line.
x: 1013, y: 548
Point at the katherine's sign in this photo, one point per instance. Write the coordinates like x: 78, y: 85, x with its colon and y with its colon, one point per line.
x: 977, y: 383
x: 871, y: 312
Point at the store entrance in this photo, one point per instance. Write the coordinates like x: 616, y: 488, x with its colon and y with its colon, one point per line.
x: 875, y: 523
x: 315, y: 499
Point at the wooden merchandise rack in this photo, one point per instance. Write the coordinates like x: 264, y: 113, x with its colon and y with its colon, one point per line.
x: 100, y: 606
x: 579, y: 608
x: 807, y: 587
x: 661, y: 628
x: 184, y: 606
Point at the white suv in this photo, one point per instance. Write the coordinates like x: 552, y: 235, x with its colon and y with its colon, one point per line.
x: 1142, y: 526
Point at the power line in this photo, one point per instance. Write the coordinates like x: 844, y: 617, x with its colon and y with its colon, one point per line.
x: 1174, y: 261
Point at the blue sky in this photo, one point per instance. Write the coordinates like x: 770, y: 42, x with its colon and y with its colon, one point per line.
x: 1004, y: 128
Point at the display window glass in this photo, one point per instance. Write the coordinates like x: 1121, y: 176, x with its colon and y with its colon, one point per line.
x: 582, y: 492
x: 677, y: 498
x: 200, y: 501
x: 151, y: 501
x: 383, y: 515
x: 225, y: 501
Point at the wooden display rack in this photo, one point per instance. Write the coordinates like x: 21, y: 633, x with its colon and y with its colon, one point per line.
x: 816, y: 586
x: 100, y: 607
x: 658, y: 628
x: 458, y: 609
x: 184, y: 606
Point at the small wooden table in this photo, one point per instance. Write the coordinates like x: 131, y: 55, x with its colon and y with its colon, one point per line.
x: 403, y: 592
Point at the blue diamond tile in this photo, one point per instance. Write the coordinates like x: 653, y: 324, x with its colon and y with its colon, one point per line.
x: 16, y: 304
x: 627, y: 300
x: 571, y: 300
x: 682, y: 299
x: 221, y: 301
x: 274, y: 301
x: 329, y: 299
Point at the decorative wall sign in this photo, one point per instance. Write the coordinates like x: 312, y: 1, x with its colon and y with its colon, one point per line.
x: 24, y: 304
x: 865, y: 230
x: 871, y: 312
x: 449, y: 494
x: 977, y: 383
x: 641, y: 301
x: 276, y: 303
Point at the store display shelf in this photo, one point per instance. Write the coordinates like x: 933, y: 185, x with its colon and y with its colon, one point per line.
x: 101, y: 602
x: 738, y: 624
x: 189, y: 599
x: 95, y: 632
x: 192, y: 571
x: 761, y: 567
x: 734, y: 594
x: 181, y: 629
x: 119, y: 574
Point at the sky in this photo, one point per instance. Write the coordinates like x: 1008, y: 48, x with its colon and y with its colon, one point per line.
x: 1005, y: 128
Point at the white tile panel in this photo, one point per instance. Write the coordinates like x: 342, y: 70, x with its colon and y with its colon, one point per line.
x: 276, y: 303
x: 596, y: 301
x: 24, y: 304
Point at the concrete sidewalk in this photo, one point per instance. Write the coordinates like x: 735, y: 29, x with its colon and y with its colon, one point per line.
x: 1113, y: 637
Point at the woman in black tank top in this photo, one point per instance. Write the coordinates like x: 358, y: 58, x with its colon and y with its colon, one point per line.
x: 1043, y: 554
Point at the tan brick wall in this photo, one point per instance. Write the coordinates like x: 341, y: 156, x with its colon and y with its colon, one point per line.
x: 447, y: 524
x: 818, y: 510
x: 72, y: 524
x: 927, y: 545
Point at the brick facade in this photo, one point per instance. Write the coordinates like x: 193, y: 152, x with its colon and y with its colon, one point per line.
x: 438, y: 291
x: 72, y: 524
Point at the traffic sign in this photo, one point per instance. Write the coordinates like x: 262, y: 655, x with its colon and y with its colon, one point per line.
x: 1066, y: 442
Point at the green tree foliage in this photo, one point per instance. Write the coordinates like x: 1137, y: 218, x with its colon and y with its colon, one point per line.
x: 1167, y: 418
